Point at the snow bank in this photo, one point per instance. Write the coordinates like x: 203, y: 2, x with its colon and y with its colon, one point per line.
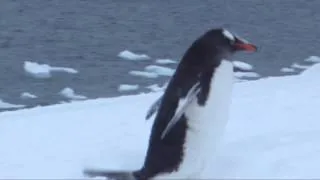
x: 246, y: 74
x: 165, y: 61
x: 143, y: 74
x: 70, y: 94
x: 273, y: 133
x: 160, y: 70
x: 128, y: 55
x: 44, y: 70
x: 128, y: 87
x: 27, y: 95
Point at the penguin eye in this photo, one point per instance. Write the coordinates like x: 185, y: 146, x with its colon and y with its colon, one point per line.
x: 233, y: 41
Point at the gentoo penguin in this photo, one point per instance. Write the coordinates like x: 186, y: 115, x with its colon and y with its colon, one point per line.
x: 192, y: 113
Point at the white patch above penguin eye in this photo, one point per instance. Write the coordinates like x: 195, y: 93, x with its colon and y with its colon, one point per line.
x: 228, y: 35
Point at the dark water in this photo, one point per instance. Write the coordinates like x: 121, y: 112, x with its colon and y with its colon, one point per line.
x: 88, y: 34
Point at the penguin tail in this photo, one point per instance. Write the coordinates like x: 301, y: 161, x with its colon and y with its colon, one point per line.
x: 110, y: 174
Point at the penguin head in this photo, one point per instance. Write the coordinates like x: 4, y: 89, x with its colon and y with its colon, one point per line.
x: 226, y: 43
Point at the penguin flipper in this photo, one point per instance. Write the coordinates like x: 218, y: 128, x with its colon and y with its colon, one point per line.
x: 109, y: 174
x: 182, y: 106
x: 153, y: 108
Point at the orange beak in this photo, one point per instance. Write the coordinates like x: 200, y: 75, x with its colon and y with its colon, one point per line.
x: 244, y: 46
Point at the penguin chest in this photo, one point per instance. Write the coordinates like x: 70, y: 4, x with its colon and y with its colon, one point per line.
x: 206, y: 123
x: 210, y: 119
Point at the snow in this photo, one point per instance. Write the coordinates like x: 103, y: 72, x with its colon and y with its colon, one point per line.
x: 43, y: 71
x: 6, y: 105
x: 242, y: 65
x: 128, y: 87
x: 143, y: 74
x: 128, y: 55
x: 246, y: 74
x: 285, y: 69
x: 237, y: 80
x: 70, y: 94
x: 165, y: 61
x: 160, y: 70
x: 314, y: 59
x: 273, y: 132
x: 27, y: 95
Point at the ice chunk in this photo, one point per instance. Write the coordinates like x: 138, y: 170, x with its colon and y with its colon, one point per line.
x: 315, y: 59
x: 5, y: 105
x: 285, y: 69
x: 128, y: 55
x: 155, y: 87
x: 299, y: 66
x: 128, y: 87
x: 44, y: 70
x: 143, y: 74
x: 27, y: 95
x: 242, y: 65
x: 160, y: 70
x: 70, y: 93
x: 165, y: 61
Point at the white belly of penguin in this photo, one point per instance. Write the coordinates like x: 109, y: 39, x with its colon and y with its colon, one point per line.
x: 206, y: 126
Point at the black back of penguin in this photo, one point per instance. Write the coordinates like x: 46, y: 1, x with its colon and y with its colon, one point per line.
x: 197, y: 65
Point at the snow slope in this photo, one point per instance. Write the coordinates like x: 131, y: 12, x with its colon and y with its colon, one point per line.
x: 273, y: 132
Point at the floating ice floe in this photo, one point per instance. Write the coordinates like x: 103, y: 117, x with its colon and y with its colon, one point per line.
x: 246, y: 74
x: 155, y: 88
x: 128, y: 55
x: 128, y: 87
x: 160, y: 70
x: 315, y: 59
x: 44, y: 70
x: 70, y: 94
x: 165, y: 61
x: 143, y: 74
x: 242, y: 65
x: 286, y: 69
x: 299, y: 66
x: 27, y: 95
x: 5, y: 105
